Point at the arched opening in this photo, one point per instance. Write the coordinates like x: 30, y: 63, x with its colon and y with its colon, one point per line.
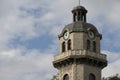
x: 66, y: 77
x: 94, y: 46
x: 79, y: 16
x: 88, y: 44
x: 69, y: 44
x: 74, y: 17
x: 92, y: 76
x: 63, y: 47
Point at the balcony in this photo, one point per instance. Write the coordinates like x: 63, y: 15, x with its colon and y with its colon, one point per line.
x: 79, y: 54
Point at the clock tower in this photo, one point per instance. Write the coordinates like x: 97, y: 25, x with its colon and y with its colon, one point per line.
x: 80, y: 57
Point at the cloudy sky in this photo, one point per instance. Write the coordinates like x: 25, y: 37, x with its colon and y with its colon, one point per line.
x: 29, y: 29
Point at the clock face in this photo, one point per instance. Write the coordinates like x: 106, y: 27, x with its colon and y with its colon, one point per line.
x: 91, y: 34
x: 66, y: 35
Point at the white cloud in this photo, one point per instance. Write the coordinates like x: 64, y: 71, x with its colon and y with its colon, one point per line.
x: 57, y: 12
x: 14, y: 23
x: 112, y: 56
x: 25, y: 64
x: 28, y: 66
x: 113, y: 67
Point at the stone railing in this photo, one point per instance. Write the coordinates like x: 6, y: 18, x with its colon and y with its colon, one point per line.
x: 79, y: 53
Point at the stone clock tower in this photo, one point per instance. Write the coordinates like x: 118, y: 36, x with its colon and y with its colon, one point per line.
x: 80, y: 57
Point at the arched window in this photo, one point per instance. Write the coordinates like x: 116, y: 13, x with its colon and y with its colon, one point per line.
x: 74, y: 17
x: 66, y: 77
x: 69, y: 44
x: 94, y: 46
x: 88, y: 44
x: 79, y: 16
x: 92, y: 76
x: 63, y: 47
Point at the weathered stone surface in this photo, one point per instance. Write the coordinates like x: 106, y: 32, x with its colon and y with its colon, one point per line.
x: 80, y: 63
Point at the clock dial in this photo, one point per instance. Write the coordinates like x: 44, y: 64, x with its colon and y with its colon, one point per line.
x: 66, y: 35
x: 91, y: 34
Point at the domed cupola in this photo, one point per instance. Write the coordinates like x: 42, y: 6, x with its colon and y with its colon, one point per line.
x: 79, y: 23
x: 79, y: 14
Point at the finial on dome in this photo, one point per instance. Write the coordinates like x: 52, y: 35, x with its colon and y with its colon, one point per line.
x: 79, y: 2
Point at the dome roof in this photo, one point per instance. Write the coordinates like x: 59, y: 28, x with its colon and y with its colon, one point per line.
x: 79, y: 7
x: 80, y: 27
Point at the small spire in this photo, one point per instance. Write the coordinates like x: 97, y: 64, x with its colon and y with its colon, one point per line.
x: 79, y: 2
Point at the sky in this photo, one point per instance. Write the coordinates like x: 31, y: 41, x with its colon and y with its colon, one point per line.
x: 29, y: 32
